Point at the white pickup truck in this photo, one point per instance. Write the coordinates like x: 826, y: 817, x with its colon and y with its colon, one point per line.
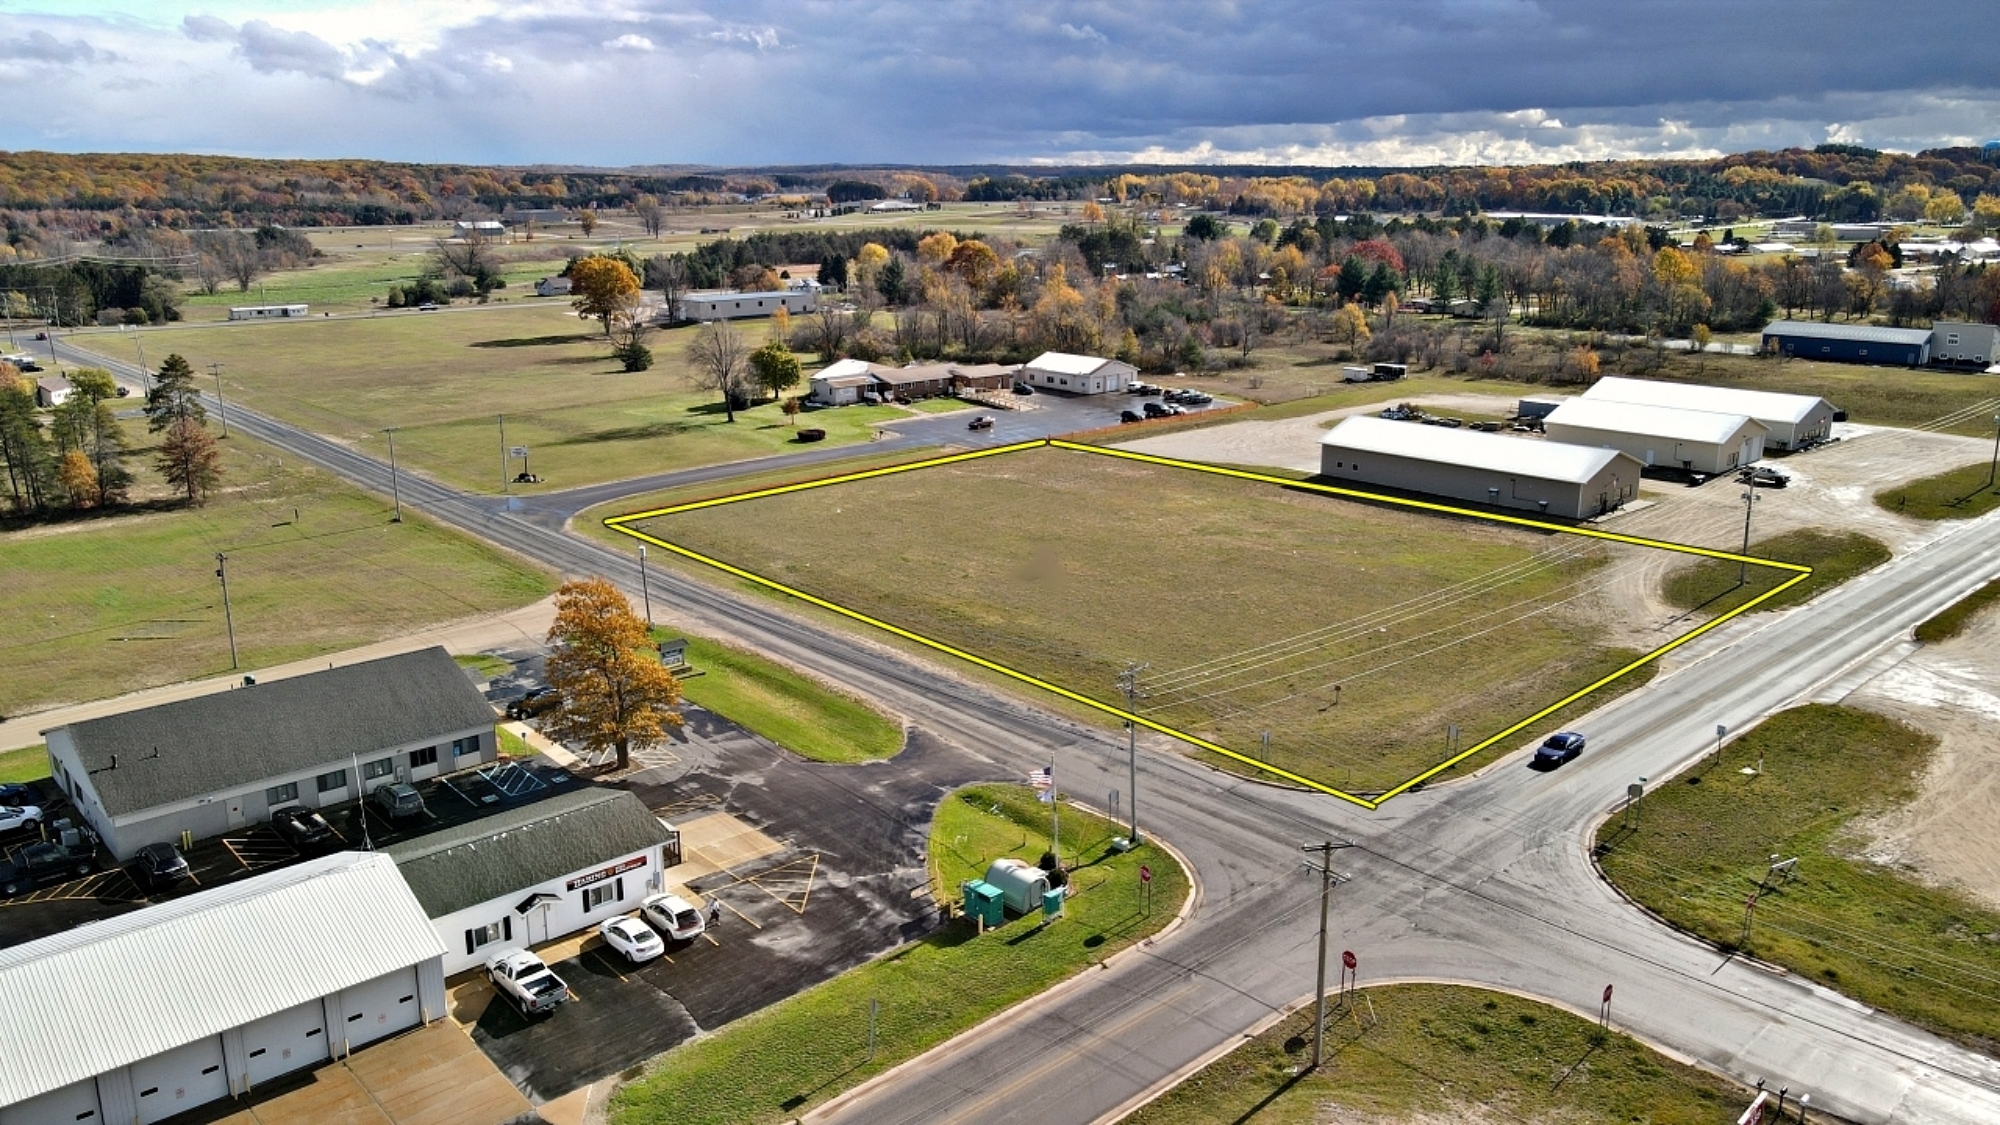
x: 521, y: 977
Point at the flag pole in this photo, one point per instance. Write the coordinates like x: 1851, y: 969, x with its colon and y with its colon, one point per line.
x: 1055, y: 814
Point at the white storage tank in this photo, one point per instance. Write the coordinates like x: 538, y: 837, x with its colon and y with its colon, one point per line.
x: 1021, y: 883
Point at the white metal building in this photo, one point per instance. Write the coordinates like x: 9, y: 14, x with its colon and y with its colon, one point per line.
x: 220, y: 762
x: 149, y: 1014
x: 1794, y: 421
x: 736, y: 306
x: 1961, y: 342
x: 267, y: 312
x: 1695, y: 441
x: 1078, y: 374
x: 535, y: 873
x: 1548, y: 478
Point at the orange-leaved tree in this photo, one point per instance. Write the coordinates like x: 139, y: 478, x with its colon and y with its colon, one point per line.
x: 603, y: 665
x: 601, y: 286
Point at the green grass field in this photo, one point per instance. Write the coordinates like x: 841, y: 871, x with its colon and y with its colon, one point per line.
x: 796, y: 712
x: 777, y: 1063
x: 111, y: 604
x: 1704, y: 843
x: 1960, y: 494
x: 1251, y: 602
x: 1437, y: 1053
x: 29, y: 763
x: 445, y: 378
x: 1711, y: 585
x: 359, y: 279
x: 1957, y: 616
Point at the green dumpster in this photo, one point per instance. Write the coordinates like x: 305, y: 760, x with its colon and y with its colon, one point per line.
x: 985, y: 902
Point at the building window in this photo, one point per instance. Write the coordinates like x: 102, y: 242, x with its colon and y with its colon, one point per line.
x: 281, y: 794
x: 428, y: 756
x: 380, y: 767
x: 460, y: 747
x: 328, y: 782
x: 479, y: 936
x: 601, y: 893
x: 1951, y: 339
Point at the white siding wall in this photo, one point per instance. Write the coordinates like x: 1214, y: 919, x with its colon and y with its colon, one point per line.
x: 559, y: 919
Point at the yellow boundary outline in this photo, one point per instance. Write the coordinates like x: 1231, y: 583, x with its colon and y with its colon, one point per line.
x: 617, y: 523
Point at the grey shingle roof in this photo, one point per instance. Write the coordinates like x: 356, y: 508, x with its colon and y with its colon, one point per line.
x: 1865, y: 333
x: 192, y: 747
x: 501, y: 854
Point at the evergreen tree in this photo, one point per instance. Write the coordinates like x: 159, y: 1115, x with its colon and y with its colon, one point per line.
x: 174, y: 398
x: 24, y: 446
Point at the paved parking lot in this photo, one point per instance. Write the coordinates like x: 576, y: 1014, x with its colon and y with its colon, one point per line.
x: 1044, y: 414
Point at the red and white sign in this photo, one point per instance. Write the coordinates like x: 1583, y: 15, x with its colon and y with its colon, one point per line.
x: 613, y: 871
x: 1347, y: 958
x: 1145, y: 873
x: 1607, y: 994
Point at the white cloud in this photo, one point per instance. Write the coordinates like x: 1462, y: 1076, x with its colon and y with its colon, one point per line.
x: 1086, y: 33
x: 629, y: 41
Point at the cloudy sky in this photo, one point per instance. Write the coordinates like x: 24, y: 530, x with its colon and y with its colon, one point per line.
x: 1324, y: 82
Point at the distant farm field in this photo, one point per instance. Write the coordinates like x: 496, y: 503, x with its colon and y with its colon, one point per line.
x: 1355, y: 635
x: 445, y: 378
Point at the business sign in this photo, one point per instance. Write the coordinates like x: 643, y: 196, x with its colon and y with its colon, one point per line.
x: 611, y: 872
x: 517, y: 451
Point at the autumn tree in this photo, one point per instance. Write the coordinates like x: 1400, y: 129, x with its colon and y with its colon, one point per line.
x: 791, y: 408
x: 604, y: 668
x: 588, y: 220
x: 718, y: 354
x: 174, y: 397
x: 868, y: 261
x: 935, y: 249
x: 650, y: 214
x: 631, y: 327
x: 87, y: 423
x: 1348, y: 326
x: 189, y: 460
x: 775, y: 368
x: 79, y: 479
x: 471, y: 258
x: 1699, y: 337
x: 669, y: 274
x: 600, y: 286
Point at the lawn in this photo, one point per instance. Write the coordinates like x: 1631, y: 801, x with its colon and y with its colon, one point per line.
x: 774, y: 1065
x: 356, y: 281
x: 1328, y: 623
x: 940, y: 405
x: 29, y: 763
x: 1705, y: 841
x: 445, y: 380
x: 797, y: 712
x: 1711, y: 585
x: 1442, y: 1053
x: 1960, y: 494
x: 99, y: 606
x: 1955, y: 617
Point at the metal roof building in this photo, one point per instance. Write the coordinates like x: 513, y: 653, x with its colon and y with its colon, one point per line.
x: 148, y: 1014
x: 1848, y: 343
x: 1078, y: 374
x: 1794, y: 421
x: 1695, y: 441
x: 1543, y: 477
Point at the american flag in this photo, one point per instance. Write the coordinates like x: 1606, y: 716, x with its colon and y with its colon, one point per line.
x: 1043, y: 778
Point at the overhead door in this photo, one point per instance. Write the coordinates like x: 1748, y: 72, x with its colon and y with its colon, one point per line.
x: 285, y: 1041
x: 74, y: 1102
x: 179, y: 1080
x: 380, y: 1007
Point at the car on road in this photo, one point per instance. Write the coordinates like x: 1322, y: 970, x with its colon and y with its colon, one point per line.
x: 159, y: 866
x: 51, y: 861
x: 399, y: 801
x: 521, y: 977
x: 1130, y: 416
x: 1559, y: 748
x: 19, y: 818
x: 983, y: 422
x: 675, y: 917
x: 427, y: 307
x: 534, y: 703
x: 303, y: 828
x: 633, y: 939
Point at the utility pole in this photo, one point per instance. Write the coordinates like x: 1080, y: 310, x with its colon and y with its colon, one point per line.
x: 643, y: 591
x: 221, y: 408
x: 503, y: 453
x: 1993, y: 469
x: 1128, y: 682
x: 1750, y: 499
x: 395, y: 493
x: 228, y: 621
x: 1327, y: 878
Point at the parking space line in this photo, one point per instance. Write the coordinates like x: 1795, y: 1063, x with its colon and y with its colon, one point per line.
x: 608, y: 963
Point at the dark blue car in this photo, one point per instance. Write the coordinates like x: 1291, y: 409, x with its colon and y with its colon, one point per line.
x: 1559, y: 748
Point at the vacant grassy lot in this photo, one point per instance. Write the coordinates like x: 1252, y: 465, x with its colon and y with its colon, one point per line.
x: 358, y: 280
x: 101, y: 606
x: 796, y: 712
x: 444, y: 378
x: 1711, y: 584
x: 1328, y: 623
x: 1447, y: 1054
x: 775, y: 1064
x: 29, y: 763
x: 1705, y: 840
x: 1958, y: 615
x: 1959, y: 494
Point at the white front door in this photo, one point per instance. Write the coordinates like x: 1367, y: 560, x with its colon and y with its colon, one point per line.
x: 235, y: 813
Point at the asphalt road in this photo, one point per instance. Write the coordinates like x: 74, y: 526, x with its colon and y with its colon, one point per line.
x: 1484, y: 880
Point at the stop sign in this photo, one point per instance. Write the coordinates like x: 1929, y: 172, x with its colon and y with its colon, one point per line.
x: 1145, y: 873
x: 1607, y: 994
x: 1347, y: 958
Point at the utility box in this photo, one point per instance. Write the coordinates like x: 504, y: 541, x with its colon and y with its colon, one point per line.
x: 1052, y: 902
x: 1021, y: 882
x: 985, y: 902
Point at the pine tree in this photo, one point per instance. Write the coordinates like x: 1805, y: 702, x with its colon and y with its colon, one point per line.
x: 24, y: 446
x: 174, y: 397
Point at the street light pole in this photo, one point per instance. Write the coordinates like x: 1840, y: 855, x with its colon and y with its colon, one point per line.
x: 643, y: 591
x: 1326, y: 881
x: 228, y: 621
x: 221, y: 407
x: 395, y: 493
x: 1994, y: 468
x: 1128, y: 682
x: 503, y: 453
x: 1750, y: 499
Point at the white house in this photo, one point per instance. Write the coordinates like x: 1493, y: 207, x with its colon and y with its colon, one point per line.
x: 267, y: 312
x: 52, y: 391
x: 490, y: 228
x: 552, y: 287
x: 1078, y: 374
x: 535, y: 873
x: 736, y: 306
x: 219, y: 762
x: 842, y: 382
x: 1492, y: 469
x: 1695, y: 441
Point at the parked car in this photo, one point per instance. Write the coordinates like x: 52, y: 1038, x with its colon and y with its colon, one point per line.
x: 15, y: 793
x: 1023, y: 389
x: 1143, y: 389
x: 633, y: 939
x: 1560, y: 748
x: 1757, y: 476
x: 51, y: 861
x: 1197, y: 398
x: 675, y: 917
x: 1130, y: 416
x: 19, y: 818
x: 534, y: 703
x: 159, y: 866
x: 521, y: 977
x: 303, y: 828
x: 399, y: 801
x: 1154, y: 410
x: 427, y: 307
x: 983, y: 422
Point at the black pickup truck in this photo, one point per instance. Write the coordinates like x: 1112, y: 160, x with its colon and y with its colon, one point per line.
x: 72, y: 855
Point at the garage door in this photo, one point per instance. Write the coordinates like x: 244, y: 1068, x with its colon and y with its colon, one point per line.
x: 380, y: 1007
x: 285, y: 1041
x: 73, y: 1103
x: 179, y: 1080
